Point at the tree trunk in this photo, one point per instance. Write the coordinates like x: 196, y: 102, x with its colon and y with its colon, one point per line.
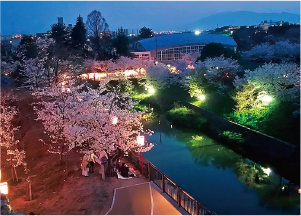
x: 61, y: 153
x: 12, y: 173
x: 16, y: 173
x: 11, y: 169
x: 29, y: 188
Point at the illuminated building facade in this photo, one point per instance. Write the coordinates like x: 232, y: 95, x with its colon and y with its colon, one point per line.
x: 167, y: 48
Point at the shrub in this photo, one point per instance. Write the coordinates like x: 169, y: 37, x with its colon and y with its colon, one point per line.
x: 233, y: 137
x: 253, y: 118
x: 182, y: 116
x: 140, y: 107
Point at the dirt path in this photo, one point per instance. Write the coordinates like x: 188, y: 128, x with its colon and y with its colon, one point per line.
x: 56, y: 189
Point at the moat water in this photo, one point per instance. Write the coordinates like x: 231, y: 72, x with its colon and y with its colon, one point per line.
x: 217, y: 177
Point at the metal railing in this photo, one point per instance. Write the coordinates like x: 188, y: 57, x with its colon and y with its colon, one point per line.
x: 183, y: 199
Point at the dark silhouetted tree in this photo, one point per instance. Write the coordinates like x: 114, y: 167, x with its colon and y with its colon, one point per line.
x: 146, y: 32
x: 121, y: 42
x: 213, y: 50
x: 97, y: 27
x: 78, y: 34
x: 59, y: 33
x: 28, y: 47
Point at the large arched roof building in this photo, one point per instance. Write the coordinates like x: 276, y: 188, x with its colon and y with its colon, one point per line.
x: 167, y: 48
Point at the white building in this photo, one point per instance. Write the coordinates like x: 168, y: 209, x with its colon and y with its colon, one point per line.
x: 167, y: 48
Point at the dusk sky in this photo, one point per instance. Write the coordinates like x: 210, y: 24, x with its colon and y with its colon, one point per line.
x: 32, y: 17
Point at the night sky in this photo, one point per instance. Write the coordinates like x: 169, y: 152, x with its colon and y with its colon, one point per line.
x: 32, y: 17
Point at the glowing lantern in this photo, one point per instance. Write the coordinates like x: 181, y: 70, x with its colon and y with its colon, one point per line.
x: 114, y: 120
x: 4, y: 188
x: 190, y: 67
x: 140, y: 140
x: 299, y: 190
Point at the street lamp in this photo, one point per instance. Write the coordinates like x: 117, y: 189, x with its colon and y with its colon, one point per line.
x: 4, y: 188
x: 140, y: 142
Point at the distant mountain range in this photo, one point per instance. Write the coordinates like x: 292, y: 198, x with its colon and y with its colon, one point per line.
x: 240, y: 18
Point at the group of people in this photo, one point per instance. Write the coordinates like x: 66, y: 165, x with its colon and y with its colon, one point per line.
x: 124, y: 170
x: 101, y: 157
x: 89, y: 159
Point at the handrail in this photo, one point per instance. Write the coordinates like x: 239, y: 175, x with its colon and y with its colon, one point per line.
x: 192, y: 206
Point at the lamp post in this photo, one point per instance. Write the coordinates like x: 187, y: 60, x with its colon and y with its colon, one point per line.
x: 140, y: 141
x: 156, y: 49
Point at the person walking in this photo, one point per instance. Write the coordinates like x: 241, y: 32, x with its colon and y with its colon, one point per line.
x: 103, y: 156
x: 91, y: 160
x: 84, y: 165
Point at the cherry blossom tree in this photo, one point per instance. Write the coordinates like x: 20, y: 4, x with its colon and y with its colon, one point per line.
x: 8, y: 131
x: 158, y: 76
x: 34, y: 73
x: 279, y: 81
x: 74, y: 116
x: 213, y: 74
x: 56, y: 104
x: 106, y: 121
x: 281, y: 51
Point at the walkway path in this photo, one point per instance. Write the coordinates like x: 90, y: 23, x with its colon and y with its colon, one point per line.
x: 142, y: 199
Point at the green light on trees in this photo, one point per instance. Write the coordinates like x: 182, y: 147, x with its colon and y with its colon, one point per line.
x: 201, y: 97
x: 266, y: 98
x: 150, y: 89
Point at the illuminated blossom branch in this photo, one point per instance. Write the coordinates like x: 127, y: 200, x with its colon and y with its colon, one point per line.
x: 281, y: 81
x: 8, y: 131
x: 105, y: 121
x: 56, y: 102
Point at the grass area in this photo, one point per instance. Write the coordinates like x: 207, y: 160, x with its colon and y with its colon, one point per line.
x: 214, y: 102
x: 232, y: 137
x: 140, y: 96
x: 182, y: 116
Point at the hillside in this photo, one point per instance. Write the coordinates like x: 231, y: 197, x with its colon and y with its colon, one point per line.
x: 240, y: 18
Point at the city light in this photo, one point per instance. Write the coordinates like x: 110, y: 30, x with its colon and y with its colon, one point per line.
x: 197, y: 32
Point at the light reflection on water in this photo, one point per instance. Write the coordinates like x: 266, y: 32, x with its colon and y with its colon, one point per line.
x: 219, y: 178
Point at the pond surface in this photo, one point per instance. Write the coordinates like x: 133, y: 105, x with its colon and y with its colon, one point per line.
x: 217, y: 177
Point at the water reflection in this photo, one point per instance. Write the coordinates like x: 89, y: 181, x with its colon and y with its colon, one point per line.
x: 273, y: 191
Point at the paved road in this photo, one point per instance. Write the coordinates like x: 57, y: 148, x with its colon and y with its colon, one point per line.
x: 140, y: 199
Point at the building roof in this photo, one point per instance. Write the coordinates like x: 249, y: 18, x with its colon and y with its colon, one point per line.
x: 185, y: 39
